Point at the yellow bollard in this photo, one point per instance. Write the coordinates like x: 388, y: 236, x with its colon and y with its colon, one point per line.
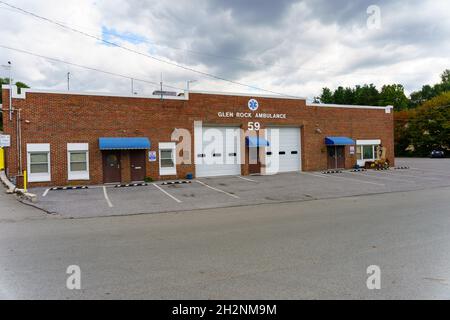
x: 2, y: 159
x: 25, y: 180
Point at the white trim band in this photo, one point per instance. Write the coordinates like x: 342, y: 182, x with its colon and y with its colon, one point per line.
x: 368, y: 142
x: 325, y: 105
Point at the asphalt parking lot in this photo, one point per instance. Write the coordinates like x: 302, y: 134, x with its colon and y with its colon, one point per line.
x: 232, y: 191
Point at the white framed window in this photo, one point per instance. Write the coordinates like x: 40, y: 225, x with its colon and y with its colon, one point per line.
x: 167, y: 160
x: 78, y: 161
x: 38, y: 162
x: 366, y: 150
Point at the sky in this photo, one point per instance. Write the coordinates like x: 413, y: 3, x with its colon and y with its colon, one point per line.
x: 287, y: 47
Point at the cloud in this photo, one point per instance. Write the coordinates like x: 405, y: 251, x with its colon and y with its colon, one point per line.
x: 292, y: 47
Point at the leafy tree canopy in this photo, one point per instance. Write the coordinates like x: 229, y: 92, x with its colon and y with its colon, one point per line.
x: 392, y: 94
x: 420, y: 130
x: 366, y: 94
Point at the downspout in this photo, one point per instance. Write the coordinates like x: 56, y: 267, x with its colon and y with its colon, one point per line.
x: 17, y: 144
x: 18, y: 141
x: 10, y: 92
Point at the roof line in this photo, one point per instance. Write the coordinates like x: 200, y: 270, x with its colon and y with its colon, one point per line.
x: 24, y: 91
x: 22, y: 95
x: 326, y: 105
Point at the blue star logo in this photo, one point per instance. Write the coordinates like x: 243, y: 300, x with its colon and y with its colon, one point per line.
x: 253, y: 104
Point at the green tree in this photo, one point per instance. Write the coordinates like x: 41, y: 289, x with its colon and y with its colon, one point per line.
x: 445, y: 76
x: 428, y: 92
x: 339, y: 96
x: 367, y: 95
x: 326, y: 96
x: 349, y: 95
x: 394, y: 95
x: 21, y: 85
x: 429, y: 127
x: 401, y: 132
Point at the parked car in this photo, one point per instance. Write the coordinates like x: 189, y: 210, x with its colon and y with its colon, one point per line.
x: 437, y: 154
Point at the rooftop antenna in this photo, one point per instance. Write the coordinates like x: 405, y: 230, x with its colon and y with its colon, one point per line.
x: 68, y: 81
x: 187, y: 84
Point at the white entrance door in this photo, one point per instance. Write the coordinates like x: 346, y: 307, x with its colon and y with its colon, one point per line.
x: 284, y: 152
x: 217, y: 151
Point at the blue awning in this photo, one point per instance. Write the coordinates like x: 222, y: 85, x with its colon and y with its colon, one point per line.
x: 339, y: 141
x: 124, y: 143
x: 256, y: 142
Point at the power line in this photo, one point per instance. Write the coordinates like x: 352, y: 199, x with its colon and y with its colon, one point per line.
x: 145, y: 40
x: 86, y: 67
x: 144, y: 54
x: 238, y: 59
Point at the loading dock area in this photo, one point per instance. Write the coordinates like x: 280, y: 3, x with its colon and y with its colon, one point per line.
x: 239, y: 191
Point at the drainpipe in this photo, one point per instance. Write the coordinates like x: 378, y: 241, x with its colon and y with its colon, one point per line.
x: 18, y: 141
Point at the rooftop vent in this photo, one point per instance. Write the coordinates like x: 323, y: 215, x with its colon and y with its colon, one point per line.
x: 164, y: 93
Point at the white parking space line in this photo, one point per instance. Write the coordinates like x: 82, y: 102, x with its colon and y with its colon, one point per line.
x: 218, y: 190
x: 107, y: 198
x: 166, y: 193
x: 246, y: 179
x: 345, y: 178
x: 374, y: 176
x: 45, y: 192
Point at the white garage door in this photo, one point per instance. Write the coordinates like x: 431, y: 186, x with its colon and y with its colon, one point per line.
x: 284, y: 153
x: 217, y: 151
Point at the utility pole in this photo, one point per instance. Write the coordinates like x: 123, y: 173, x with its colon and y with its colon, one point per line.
x: 68, y: 81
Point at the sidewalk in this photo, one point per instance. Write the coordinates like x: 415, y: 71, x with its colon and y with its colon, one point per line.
x: 12, y: 210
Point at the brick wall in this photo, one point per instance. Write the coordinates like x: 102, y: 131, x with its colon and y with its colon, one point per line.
x: 59, y: 119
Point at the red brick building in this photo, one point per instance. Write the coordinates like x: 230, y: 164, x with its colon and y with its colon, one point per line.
x: 72, y: 138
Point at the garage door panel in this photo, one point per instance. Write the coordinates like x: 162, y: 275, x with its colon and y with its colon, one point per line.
x: 219, y: 151
x: 285, y: 148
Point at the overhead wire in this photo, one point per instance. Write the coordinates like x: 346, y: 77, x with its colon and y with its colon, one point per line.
x: 210, y: 75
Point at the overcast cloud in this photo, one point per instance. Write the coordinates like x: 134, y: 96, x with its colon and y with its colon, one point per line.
x: 291, y: 47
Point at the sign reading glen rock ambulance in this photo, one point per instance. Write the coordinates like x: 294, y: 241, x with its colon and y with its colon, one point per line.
x: 253, y: 106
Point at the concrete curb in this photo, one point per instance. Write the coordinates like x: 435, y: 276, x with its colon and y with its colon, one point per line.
x: 69, y: 188
x: 358, y: 170
x: 175, y: 182
x: 13, y: 189
x: 29, y: 196
x: 130, y: 185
